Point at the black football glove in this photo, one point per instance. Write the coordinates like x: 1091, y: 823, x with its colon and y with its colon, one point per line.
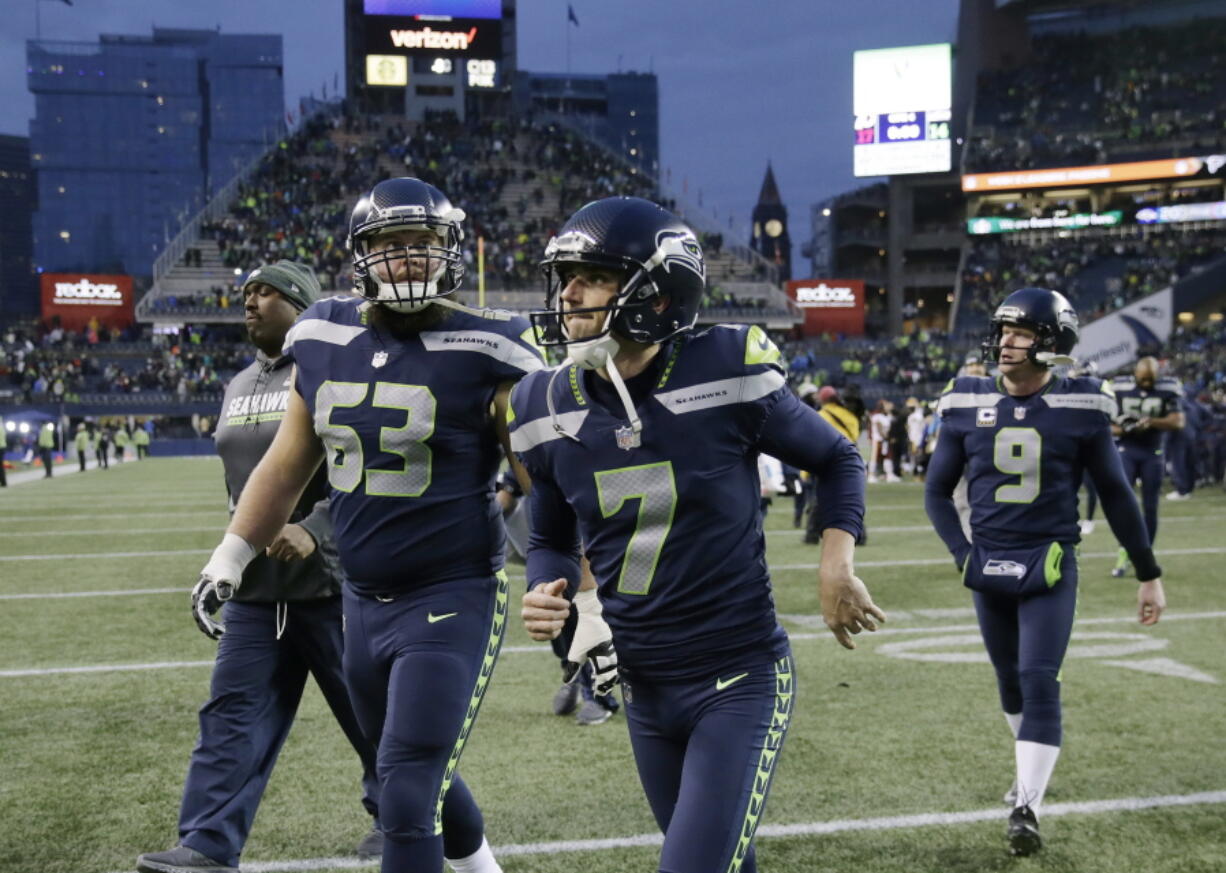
x: 207, y: 598
x: 593, y: 642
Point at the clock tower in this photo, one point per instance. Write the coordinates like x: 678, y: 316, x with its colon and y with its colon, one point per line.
x: 770, y: 227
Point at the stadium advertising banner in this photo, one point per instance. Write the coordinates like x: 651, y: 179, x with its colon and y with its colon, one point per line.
x: 1060, y: 177
x: 467, y: 32
x: 830, y: 305
x: 1113, y: 341
x: 980, y: 226
x: 901, y: 100
x: 1215, y: 211
x: 78, y: 298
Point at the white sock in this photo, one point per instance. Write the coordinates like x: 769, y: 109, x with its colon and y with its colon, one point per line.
x: 480, y: 861
x: 889, y: 466
x: 1015, y: 722
x: 1035, y: 761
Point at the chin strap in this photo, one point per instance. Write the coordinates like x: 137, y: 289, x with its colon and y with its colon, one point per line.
x: 593, y: 355
x: 1051, y: 359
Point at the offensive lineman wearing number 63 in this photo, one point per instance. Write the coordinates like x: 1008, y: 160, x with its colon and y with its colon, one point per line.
x: 400, y: 392
x: 1024, y: 440
x: 646, y: 441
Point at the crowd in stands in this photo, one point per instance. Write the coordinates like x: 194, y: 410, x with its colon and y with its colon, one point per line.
x: 923, y: 358
x: 1197, y: 357
x: 1138, y: 266
x: 297, y: 204
x: 56, y: 365
x: 1079, y: 99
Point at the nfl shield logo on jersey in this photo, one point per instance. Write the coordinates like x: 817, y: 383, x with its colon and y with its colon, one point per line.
x: 627, y: 438
x: 378, y: 359
x: 1019, y: 413
x: 985, y: 417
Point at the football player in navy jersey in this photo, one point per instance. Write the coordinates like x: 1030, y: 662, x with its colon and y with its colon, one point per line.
x: 643, y: 446
x: 1023, y: 440
x: 401, y: 393
x: 1148, y: 408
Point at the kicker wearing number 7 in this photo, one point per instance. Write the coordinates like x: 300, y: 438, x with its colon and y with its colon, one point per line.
x: 645, y: 441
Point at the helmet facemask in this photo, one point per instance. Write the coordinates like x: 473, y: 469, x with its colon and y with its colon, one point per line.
x: 635, y: 295
x: 408, y: 277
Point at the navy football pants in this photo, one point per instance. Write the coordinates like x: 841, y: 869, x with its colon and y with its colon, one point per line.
x: 706, y: 752
x: 1146, y: 466
x: 418, y: 666
x: 1026, y: 639
x: 256, y: 687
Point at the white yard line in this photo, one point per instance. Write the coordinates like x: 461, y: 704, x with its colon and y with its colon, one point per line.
x: 93, y: 516
x: 114, y: 531
x: 913, y: 562
x: 542, y: 648
x: 800, y: 829
x: 930, y: 562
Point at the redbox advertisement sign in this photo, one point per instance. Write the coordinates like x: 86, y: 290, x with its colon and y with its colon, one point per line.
x: 830, y: 305
x: 78, y: 298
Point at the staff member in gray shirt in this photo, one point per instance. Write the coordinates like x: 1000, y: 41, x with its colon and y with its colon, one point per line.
x: 281, y: 623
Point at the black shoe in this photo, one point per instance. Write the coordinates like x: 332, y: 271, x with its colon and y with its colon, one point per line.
x: 180, y: 859
x: 1023, y: 832
x: 566, y: 698
x: 371, y: 846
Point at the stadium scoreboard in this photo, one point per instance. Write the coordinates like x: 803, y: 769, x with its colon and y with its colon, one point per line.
x: 902, y: 103
x: 449, y: 35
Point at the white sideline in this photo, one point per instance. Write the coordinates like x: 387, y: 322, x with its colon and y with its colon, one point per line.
x: 541, y: 647
x: 801, y: 829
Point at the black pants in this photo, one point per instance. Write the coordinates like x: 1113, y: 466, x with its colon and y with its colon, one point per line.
x: 257, y: 684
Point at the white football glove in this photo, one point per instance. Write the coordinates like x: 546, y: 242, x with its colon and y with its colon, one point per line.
x: 219, y: 579
x: 593, y: 642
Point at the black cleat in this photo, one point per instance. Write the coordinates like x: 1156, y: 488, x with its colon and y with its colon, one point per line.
x: 566, y: 699
x: 371, y: 846
x: 1023, y: 832
x: 180, y: 859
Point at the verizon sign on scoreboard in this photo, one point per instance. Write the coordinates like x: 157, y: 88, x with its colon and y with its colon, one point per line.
x: 78, y: 298
x: 454, y: 31
x: 830, y: 305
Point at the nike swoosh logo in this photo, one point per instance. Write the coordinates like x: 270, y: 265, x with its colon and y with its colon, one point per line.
x: 764, y: 344
x: 432, y: 618
x: 721, y: 684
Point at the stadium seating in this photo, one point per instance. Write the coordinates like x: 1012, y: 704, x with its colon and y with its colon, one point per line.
x: 1136, y: 94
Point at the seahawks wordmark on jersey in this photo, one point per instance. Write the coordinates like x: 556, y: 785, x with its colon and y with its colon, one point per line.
x: 411, y: 452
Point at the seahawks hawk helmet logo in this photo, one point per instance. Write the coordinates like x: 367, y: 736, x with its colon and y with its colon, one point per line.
x: 678, y: 247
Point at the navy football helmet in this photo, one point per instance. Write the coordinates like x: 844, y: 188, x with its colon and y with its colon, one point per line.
x: 1048, y: 313
x: 406, y: 277
x: 654, y: 252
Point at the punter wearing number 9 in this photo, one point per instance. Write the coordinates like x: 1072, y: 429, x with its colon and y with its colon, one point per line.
x: 643, y: 446
x: 1023, y: 440
x: 400, y: 393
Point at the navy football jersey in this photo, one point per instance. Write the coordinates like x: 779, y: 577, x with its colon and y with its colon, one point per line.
x: 1024, y: 456
x: 409, y: 444
x: 1135, y: 402
x: 671, y: 525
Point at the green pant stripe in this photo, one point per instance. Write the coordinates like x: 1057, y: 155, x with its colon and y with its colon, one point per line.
x: 767, y: 758
x: 498, y: 627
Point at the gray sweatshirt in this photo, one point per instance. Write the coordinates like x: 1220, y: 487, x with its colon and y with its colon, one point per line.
x: 254, y: 405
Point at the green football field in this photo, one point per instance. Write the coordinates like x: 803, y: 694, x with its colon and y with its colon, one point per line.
x: 896, y: 760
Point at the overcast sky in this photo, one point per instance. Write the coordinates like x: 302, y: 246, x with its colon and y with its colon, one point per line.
x: 740, y: 83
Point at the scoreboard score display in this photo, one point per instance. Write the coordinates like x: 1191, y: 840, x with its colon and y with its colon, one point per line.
x: 902, y: 101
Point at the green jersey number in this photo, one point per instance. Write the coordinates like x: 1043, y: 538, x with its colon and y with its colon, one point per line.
x: 1018, y: 451
x: 343, y: 447
x: 655, y: 489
